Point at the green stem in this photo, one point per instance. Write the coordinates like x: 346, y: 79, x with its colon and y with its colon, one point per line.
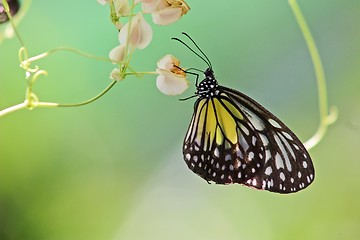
x: 140, y: 74
x: 325, y: 118
x: 92, y: 99
x: 34, y: 104
x: 12, y: 109
x: 123, y: 67
x: 81, y: 53
x: 26, y: 104
x: 32, y: 101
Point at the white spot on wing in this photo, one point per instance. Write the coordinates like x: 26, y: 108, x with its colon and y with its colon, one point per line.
x: 264, y: 139
x: 253, y: 118
x: 284, y: 153
x: 227, y: 157
x: 196, y: 147
x: 253, y: 140
x: 305, y: 165
x: 278, y: 161
x: 251, y: 156
x: 216, y: 152
x: 239, y: 153
x: 227, y: 145
x: 268, y: 170
x: 288, y: 146
x: 274, y: 123
x: 190, y: 129
x: 287, y: 135
x: 244, y: 144
x: 197, y: 140
x: 282, y: 176
x: 308, y: 179
x: 254, y: 182
x: 267, y: 155
x: 244, y: 129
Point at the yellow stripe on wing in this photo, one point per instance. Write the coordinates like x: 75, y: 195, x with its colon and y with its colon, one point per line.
x: 198, y: 125
x: 217, y: 120
x: 210, y: 127
x: 226, y: 120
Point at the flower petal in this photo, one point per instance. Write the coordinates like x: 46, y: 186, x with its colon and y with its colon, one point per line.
x: 117, y: 54
x: 102, y: 2
x: 171, y: 84
x: 149, y: 6
x: 166, y: 16
x: 122, y: 7
x: 168, y: 62
x: 115, y: 74
x: 140, y: 32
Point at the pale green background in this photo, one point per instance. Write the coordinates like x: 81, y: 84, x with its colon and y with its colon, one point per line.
x: 114, y: 170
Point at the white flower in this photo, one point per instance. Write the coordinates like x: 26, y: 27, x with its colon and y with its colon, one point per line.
x: 172, y: 79
x: 117, y: 54
x: 140, y: 32
x: 164, y: 12
x: 122, y: 7
x: 115, y: 74
x: 103, y: 2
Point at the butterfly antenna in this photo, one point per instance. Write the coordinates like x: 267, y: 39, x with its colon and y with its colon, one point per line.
x: 197, y: 46
x: 206, y: 60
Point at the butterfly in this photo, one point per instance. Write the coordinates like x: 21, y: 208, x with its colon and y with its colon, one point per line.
x: 233, y: 139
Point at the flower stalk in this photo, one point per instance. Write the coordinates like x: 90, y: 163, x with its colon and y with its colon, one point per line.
x: 326, y: 117
x: 134, y: 34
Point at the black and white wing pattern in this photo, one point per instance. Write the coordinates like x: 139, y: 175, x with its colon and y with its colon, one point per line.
x: 233, y: 139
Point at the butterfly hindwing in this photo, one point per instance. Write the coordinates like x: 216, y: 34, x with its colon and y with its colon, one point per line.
x: 233, y: 139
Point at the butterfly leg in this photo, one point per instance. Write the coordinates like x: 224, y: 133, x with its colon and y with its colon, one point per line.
x: 196, y: 84
x: 194, y: 74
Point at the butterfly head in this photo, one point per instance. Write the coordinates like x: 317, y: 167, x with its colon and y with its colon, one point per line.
x: 208, y: 87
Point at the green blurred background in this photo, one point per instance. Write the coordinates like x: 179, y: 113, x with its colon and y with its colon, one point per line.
x: 114, y: 170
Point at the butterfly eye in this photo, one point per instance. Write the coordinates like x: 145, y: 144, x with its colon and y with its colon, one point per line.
x: 13, y: 7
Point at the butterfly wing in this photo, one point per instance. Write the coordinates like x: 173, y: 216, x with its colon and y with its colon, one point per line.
x: 233, y: 139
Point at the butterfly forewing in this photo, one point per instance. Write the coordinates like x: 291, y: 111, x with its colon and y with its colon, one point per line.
x: 233, y: 139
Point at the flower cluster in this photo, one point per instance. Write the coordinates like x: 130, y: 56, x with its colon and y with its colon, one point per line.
x: 137, y: 33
